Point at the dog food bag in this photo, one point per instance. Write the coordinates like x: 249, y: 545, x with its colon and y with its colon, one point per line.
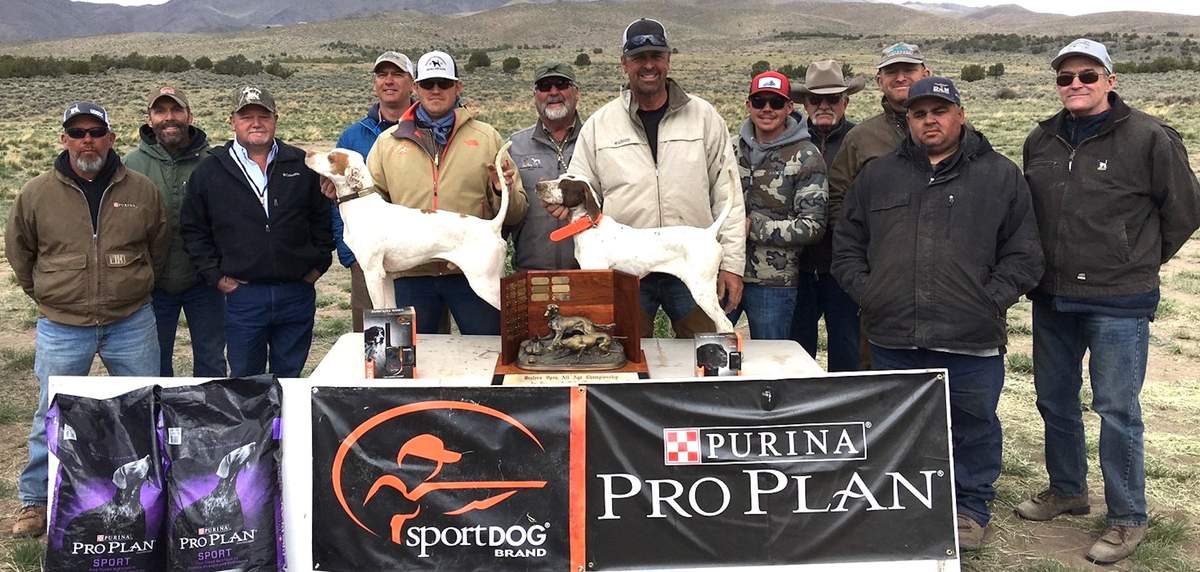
x: 108, y: 501
x: 220, y: 444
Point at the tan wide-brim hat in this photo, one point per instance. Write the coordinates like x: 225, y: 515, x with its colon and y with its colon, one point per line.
x: 825, y: 78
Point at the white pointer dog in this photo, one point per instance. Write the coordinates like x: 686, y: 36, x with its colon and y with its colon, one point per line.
x: 691, y: 254
x: 392, y: 238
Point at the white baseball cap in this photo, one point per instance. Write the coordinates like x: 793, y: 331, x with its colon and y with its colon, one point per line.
x: 1087, y: 48
x: 395, y: 58
x: 436, y: 64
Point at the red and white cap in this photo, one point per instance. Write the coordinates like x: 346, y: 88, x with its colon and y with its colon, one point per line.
x: 772, y: 82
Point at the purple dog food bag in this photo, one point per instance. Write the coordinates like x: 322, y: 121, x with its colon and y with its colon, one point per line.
x: 220, y: 444
x: 108, y: 501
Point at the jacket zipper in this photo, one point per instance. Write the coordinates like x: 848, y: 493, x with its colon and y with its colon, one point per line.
x: 1059, y: 244
x: 95, y: 243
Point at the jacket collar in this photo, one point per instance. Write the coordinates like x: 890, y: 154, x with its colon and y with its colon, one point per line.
x: 112, y: 164
x: 1119, y: 112
x: 149, y: 144
x: 895, y: 119
x: 676, y: 98
x: 540, y: 135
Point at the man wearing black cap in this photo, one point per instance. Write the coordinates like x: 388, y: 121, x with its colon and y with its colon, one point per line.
x: 257, y: 227
x: 1115, y: 199
x: 85, y: 240
x: 661, y: 157
x: 169, y: 150
x: 937, y: 242
x: 542, y: 152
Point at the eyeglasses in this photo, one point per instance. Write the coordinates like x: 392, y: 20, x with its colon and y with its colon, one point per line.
x: 816, y: 99
x: 549, y: 84
x: 80, y: 133
x: 440, y: 83
x: 776, y: 103
x: 645, y: 40
x: 1086, y: 77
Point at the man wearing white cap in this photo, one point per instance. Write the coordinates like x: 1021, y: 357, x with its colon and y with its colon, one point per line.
x: 440, y: 157
x: 1115, y: 199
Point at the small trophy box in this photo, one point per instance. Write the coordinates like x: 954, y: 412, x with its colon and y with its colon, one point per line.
x: 529, y: 303
x: 718, y: 354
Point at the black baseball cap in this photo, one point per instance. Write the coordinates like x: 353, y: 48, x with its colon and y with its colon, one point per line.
x: 939, y: 87
x: 644, y: 35
x: 85, y: 108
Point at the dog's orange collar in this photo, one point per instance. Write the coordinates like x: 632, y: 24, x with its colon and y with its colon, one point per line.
x: 577, y: 226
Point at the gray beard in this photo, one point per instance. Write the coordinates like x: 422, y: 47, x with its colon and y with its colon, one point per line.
x: 88, y: 166
x: 556, y: 113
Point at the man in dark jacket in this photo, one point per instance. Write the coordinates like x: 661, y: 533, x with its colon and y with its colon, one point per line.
x: 543, y: 151
x: 1115, y: 199
x: 938, y: 240
x: 169, y: 150
x: 257, y: 227
x: 825, y: 95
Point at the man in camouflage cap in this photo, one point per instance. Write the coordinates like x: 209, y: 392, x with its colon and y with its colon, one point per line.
x: 783, y: 181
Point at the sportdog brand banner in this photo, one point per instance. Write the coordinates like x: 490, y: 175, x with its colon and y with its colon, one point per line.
x: 441, y: 478
x: 768, y: 472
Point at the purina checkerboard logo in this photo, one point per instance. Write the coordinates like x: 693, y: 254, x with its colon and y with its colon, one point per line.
x: 681, y: 446
x: 766, y: 443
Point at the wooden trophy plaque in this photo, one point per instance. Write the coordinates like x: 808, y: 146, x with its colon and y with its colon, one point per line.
x: 603, y: 296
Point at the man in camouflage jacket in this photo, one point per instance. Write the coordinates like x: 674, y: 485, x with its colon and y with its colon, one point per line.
x: 783, y: 181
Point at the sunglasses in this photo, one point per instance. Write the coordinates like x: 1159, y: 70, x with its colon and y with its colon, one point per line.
x: 549, y: 84
x: 440, y: 83
x: 645, y: 40
x: 1086, y: 77
x: 80, y: 133
x: 816, y: 99
x: 776, y: 103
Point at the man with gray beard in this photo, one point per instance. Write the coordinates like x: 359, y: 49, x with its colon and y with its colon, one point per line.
x: 542, y: 152
x: 85, y: 240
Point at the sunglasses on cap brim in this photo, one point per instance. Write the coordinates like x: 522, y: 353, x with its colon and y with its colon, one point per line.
x: 642, y: 41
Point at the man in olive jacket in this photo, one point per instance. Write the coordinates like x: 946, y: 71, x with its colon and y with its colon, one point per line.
x: 1115, y: 199
x: 938, y: 240
x: 85, y: 240
x: 169, y: 150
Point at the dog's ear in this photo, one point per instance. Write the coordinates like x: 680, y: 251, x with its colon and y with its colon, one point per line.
x: 591, y: 202
x: 572, y: 192
x: 338, y: 161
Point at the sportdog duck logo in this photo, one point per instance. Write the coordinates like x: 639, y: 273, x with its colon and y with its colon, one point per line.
x: 419, y: 478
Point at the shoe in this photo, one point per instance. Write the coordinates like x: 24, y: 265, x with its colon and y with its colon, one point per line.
x: 971, y: 535
x: 31, y: 522
x: 1116, y: 543
x: 1049, y: 504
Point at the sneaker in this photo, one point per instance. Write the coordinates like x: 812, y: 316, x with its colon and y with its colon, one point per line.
x: 971, y: 535
x: 1116, y: 543
x: 1049, y: 504
x: 31, y: 522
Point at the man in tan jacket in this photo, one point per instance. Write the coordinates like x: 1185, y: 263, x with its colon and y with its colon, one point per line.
x: 439, y: 157
x: 661, y: 157
x: 85, y: 240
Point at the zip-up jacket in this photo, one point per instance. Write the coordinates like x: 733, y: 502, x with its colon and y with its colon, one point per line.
x: 407, y: 164
x: 170, y: 174
x: 540, y: 158
x: 227, y: 233
x: 872, y: 138
x: 935, y: 257
x: 78, y: 274
x: 817, y: 258
x: 1112, y: 209
x: 785, y: 192
x: 688, y: 185
x: 360, y: 136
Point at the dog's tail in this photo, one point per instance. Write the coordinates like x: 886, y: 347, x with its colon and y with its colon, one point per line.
x: 729, y: 198
x: 504, y: 190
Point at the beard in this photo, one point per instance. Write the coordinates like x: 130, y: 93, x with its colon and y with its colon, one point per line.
x: 91, y: 165
x: 552, y: 112
x: 170, y: 139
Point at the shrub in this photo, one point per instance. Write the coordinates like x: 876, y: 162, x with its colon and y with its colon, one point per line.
x: 203, y: 63
x: 583, y: 60
x: 995, y: 70
x: 597, y: 50
x: 847, y: 71
x: 478, y: 59
x: 973, y: 72
x: 759, y: 67
x: 276, y: 69
x: 511, y: 64
x: 1007, y: 93
x: 237, y: 65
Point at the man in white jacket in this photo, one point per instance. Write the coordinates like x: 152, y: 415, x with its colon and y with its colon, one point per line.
x: 660, y: 157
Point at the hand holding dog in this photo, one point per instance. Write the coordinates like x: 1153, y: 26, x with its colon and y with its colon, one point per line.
x: 509, y: 173
x: 328, y: 188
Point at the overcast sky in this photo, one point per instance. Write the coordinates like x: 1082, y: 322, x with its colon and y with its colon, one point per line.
x: 1061, y: 6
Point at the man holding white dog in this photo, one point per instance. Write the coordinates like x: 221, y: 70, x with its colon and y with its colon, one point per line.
x: 439, y: 157
x: 662, y: 157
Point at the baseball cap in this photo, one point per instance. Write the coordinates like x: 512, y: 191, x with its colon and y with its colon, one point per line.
x: 939, y: 87
x: 554, y: 69
x: 1087, y: 48
x: 436, y: 64
x: 644, y: 35
x: 771, y: 82
x: 85, y: 108
x: 168, y: 91
x: 253, y: 95
x: 901, y: 52
x: 398, y: 59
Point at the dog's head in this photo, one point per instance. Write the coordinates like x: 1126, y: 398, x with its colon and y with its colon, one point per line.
x: 571, y: 191
x: 132, y: 474
x: 346, y: 168
x: 233, y: 462
x: 551, y: 310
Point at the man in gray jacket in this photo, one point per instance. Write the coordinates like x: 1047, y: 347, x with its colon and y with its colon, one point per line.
x: 542, y: 152
x: 169, y: 150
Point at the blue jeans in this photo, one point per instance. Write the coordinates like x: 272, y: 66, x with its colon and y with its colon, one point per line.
x: 269, y: 322
x: 128, y: 347
x: 975, y: 384
x: 204, y: 307
x: 769, y: 309
x: 1117, y: 368
x: 431, y: 295
x: 820, y: 294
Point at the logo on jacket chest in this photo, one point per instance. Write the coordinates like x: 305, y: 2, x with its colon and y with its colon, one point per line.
x: 531, y: 163
x: 121, y: 205
x: 1102, y: 165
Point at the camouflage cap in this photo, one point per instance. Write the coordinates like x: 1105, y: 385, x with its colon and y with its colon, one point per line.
x: 554, y: 69
x: 253, y: 95
x: 168, y: 91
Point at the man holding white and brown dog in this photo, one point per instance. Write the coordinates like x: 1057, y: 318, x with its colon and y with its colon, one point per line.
x: 661, y: 157
x: 439, y: 157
